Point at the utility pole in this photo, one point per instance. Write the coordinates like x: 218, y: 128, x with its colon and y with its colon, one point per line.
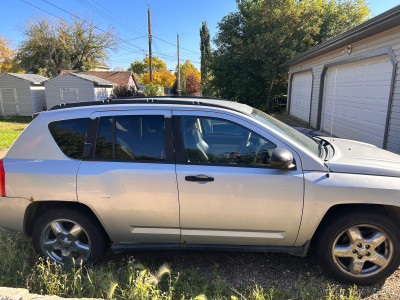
x: 179, y: 69
x: 150, y: 56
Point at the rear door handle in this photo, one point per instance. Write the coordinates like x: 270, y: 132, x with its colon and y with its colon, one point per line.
x: 202, y: 178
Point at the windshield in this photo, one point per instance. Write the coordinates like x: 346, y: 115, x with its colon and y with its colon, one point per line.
x: 288, y: 131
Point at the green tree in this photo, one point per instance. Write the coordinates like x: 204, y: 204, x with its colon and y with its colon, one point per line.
x: 262, y: 34
x: 49, y: 47
x: 138, y: 67
x: 205, y: 50
x: 339, y: 16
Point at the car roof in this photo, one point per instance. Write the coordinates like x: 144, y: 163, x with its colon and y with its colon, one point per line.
x: 162, y: 100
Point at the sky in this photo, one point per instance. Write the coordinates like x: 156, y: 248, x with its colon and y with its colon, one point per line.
x: 129, y: 20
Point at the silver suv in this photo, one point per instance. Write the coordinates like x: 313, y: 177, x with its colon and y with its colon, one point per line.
x: 167, y: 173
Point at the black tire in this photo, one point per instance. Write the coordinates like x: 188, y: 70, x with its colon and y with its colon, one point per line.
x: 89, y: 243
x: 352, y: 264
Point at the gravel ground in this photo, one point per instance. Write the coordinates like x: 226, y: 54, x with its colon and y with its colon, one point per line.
x: 244, y: 269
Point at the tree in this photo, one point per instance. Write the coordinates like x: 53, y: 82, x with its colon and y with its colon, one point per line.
x: 186, y: 69
x: 138, y: 67
x: 339, y: 16
x: 8, y: 62
x: 192, y: 85
x: 262, y: 34
x: 49, y: 47
x: 205, y: 50
x: 141, y: 67
x: 162, y: 77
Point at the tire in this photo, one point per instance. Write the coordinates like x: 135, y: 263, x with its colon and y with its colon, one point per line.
x: 64, y: 234
x: 360, y: 247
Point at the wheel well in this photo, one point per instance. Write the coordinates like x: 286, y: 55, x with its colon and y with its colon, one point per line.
x: 390, y: 211
x: 36, y: 209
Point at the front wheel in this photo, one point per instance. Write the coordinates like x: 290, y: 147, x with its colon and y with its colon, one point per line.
x: 361, y: 248
x: 63, y: 235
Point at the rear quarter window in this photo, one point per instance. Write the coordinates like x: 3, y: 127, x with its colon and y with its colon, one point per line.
x: 70, y: 136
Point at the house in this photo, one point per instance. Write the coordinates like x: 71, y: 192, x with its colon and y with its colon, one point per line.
x: 121, y: 78
x: 351, y: 83
x: 102, y: 67
x: 76, y: 87
x: 22, y: 94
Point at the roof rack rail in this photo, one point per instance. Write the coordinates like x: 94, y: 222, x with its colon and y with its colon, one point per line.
x: 147, y: 100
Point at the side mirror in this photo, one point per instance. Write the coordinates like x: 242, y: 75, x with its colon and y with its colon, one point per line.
x: 282, y: 158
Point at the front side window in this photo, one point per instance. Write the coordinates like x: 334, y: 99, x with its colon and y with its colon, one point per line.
x: 131, y: 138
x: 70, y: 136
x: 217, y: 141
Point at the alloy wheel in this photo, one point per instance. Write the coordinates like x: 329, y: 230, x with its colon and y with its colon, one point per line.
x: 362, y: 250
x: 63, y: 240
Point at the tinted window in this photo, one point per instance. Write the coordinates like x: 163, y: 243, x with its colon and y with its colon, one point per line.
x: 104, y: 141
x: 217, y: 141
x: 136, y: 138
x: 70, y: 136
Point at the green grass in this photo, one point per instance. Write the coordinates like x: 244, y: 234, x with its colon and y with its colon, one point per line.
x: 126, y: 278
x: 10, y: 128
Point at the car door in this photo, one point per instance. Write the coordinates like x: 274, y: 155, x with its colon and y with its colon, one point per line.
x: 129, y: 179
x: 228, y: 191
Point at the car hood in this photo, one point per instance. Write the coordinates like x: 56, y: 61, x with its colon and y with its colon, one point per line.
x: 361, y: 158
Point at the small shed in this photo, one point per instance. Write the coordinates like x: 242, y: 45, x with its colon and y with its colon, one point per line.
x: 22, y: 94
x: 349, y: 85
x: 76, y: 87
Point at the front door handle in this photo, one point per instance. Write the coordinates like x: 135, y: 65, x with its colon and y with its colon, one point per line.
x: 202, y: 178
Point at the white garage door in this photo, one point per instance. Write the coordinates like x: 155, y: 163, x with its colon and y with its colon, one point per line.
x: 300, y: 98
x: 357, y: 96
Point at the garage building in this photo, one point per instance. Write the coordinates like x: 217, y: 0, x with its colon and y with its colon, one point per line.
x: 76, y: 87
x: 21, y: 94
x: 350, y: 85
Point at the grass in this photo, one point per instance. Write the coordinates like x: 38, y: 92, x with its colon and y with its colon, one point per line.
x: 10, y: 128
x: 127, y: 278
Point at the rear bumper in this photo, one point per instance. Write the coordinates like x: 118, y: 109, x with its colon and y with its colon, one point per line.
x: 12, y: 212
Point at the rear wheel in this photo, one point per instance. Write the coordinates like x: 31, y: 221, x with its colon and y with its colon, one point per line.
x: 362, y: 248
x: 63, y: 235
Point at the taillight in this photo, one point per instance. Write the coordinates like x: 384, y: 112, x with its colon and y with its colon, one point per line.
x: 2, y: 180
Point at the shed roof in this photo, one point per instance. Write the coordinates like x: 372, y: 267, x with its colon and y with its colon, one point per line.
x: 118, y: 77
x: 95, y: 79
x: 382, y: 22
x: 32, y: 78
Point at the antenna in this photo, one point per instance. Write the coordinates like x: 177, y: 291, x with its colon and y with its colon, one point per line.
x: 333, y: 109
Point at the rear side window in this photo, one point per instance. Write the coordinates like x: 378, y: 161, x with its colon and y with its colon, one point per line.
x: 70, y: 136
x: 138, y: 138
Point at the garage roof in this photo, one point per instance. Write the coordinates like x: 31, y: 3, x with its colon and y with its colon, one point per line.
x: 95, y: 79
x: 382, y: 22
x: 32, y: 78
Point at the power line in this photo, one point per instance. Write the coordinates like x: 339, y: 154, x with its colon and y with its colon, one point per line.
x: 41, y: 9
x: 107, y: 12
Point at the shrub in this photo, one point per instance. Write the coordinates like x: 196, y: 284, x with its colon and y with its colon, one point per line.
x: 123, y: 91
x: 152, y: 90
